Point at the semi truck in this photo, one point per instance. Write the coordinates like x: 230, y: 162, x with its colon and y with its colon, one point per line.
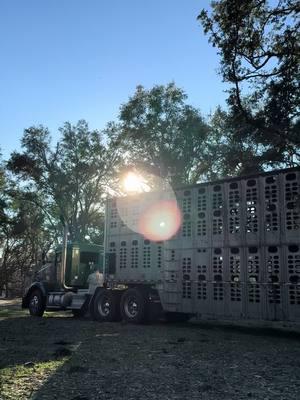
x: 228, y: 249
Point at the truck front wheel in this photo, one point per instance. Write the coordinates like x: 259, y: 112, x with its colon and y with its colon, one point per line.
x: 106, y: 306
x: 36, y: 304
x: 134, y: 306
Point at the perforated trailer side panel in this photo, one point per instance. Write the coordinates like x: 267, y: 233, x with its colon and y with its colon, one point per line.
x: 236, y: 254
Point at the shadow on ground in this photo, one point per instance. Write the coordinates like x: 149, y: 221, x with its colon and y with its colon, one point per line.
x: 57, y: 357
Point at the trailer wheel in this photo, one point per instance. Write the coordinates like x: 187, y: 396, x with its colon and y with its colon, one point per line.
x: 106, y: 306
x: 176, y: 317
x: 36, y: 303
x: 134, y: 306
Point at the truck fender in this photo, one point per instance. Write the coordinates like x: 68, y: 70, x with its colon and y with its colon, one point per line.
x: 35, y: 285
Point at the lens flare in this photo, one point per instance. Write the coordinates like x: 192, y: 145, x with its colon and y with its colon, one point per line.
x: 160, y: 221
x: 155, y: 214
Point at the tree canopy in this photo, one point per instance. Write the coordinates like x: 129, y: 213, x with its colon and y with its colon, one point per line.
x: 258, y: 45
x: 71, y: 176
x: 160, y: 133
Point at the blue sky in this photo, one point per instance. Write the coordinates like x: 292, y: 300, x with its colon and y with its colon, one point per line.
x: 64, y: 60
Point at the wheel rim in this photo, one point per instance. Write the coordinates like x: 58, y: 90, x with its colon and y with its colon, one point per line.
x: 34, y: 303
x: 104, y: 307
x: 131, y: 307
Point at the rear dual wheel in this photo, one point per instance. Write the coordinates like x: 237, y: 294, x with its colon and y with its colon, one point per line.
x: 110, y: 306
x: 134, y: 306
x: 106, y: 306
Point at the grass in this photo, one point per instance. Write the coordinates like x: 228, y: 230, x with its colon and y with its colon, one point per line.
x: 12, y: 313
x: 21, y: 381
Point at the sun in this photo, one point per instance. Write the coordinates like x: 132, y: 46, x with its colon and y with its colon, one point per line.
x: 134, y: 183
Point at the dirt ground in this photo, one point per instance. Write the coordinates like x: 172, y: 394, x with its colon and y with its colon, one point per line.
x: 60, y: 357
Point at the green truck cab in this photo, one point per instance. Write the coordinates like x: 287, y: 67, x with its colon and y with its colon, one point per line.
x: 58, y: 288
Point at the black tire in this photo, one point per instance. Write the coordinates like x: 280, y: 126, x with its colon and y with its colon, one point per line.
x: 134, y: 306
x: 176, y: 317
x: 106, y: 306
x: 36, y: 303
